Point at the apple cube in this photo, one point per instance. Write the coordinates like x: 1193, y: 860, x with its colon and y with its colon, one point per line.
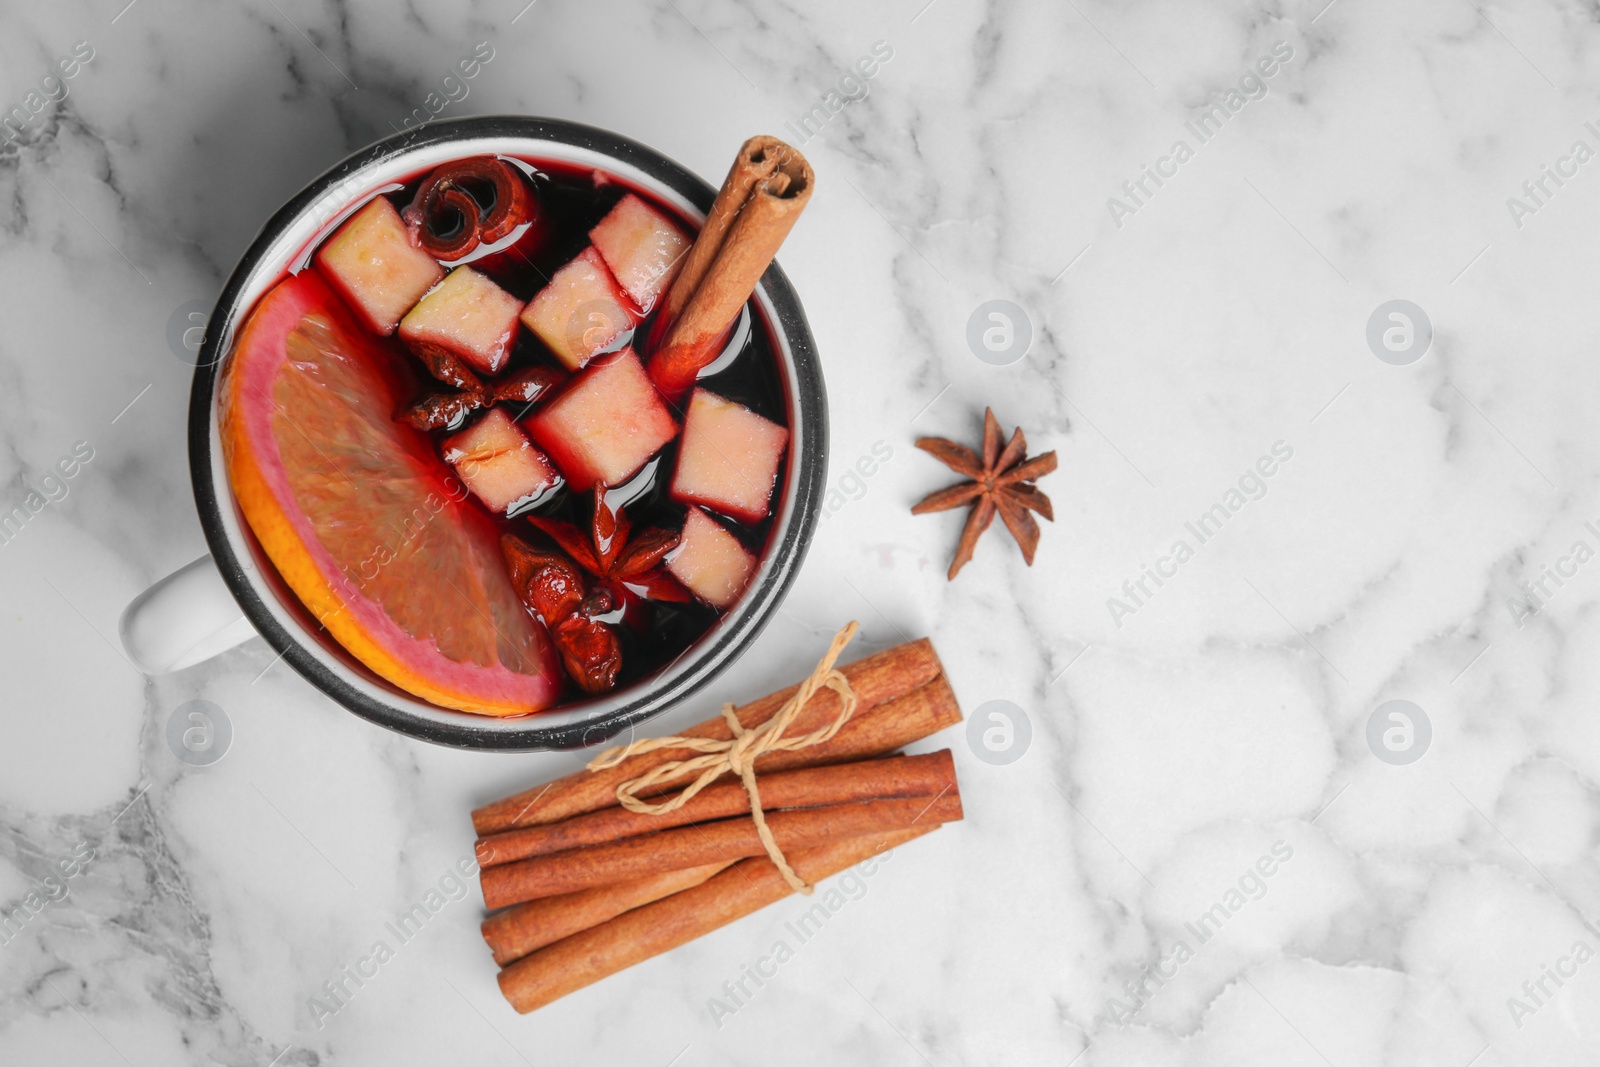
x: 605, y: 424
x: 375, y: 267
x: 499, y: 464
x: 467, y: 315
x: 642, y: 248
x: 728, y: 458
x: 581, y: 312
x: 710, y: 561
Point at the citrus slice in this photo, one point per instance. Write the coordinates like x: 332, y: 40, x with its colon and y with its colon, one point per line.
x: 364, y: 522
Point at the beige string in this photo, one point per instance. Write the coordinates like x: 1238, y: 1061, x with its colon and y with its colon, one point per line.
x: 739, y: 754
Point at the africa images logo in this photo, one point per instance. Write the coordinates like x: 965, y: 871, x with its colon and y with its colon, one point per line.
x: 1204, y: 126
x: 1252, y: 485
x: 1250, y: 886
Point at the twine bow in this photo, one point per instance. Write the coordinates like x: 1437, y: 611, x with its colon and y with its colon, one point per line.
x: 738, y: 754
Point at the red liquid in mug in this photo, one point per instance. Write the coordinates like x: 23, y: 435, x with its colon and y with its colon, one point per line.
x: 572, y: 200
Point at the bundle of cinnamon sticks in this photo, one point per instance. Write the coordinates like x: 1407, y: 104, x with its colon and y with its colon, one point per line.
x: 590, y: 888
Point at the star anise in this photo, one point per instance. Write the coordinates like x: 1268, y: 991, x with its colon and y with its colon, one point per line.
x: 1001, y: 481
x: 583, y: 616
x: 630, y: 568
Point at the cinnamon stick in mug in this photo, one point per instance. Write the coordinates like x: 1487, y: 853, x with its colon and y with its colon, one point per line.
x: 881, y: 724
x: 515, y: 932
x: 637, y: 935
x: 702, y: 843
x: 741, y: 256
x: 756, y: 161
x: 900, y: 776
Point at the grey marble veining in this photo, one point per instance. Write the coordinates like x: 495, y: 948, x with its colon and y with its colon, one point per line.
x: 1430, y: 536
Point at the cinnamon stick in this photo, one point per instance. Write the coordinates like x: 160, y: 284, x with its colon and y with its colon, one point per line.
x: 694, y: 846
x: 901, y: 776
x: 741, y: 255
x: 893, y: 724
x: 515, y: 932
x: 881, y: 724
x: 757, y: 160
x: 635, y: 936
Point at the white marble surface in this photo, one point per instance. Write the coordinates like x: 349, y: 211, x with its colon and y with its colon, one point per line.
x: 1226, y: 714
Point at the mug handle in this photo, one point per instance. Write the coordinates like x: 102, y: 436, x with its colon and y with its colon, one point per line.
x: 186, y: 617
